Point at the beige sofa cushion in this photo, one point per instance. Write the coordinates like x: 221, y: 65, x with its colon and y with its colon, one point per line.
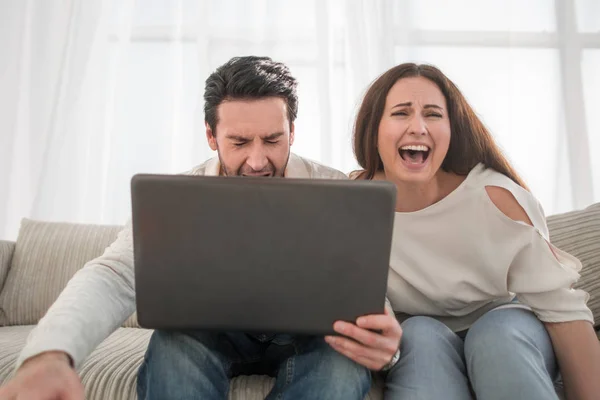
x: 46, y: 256
x: 110, y: 372
x: 578, y: 233
x: 6, y: 252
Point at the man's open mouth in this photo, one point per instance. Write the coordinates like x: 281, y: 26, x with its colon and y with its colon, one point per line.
x: 414, y: 154
x: 259, y: 175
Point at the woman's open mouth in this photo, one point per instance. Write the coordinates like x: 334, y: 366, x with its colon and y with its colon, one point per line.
x: 414, y: 155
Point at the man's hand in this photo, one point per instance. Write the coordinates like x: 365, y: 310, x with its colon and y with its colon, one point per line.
x: 370, y: 349
x: 48, y: 376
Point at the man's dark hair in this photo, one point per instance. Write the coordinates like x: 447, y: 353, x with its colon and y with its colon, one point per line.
x: 248, y: 78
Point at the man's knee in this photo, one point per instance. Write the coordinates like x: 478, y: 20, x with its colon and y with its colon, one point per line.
x: 174, y: 350
x: 339, y: 367
x: 178, y: 363
x: 168, y: 343
x: 341, y: 376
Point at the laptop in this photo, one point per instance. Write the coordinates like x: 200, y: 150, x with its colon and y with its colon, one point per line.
x: 256, y: 255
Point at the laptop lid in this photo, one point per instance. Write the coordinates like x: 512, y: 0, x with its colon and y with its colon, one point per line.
x: 259, y: 254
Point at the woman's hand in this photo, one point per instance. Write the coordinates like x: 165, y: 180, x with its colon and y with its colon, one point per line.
x: 578, y: 354
x: 374, y: 350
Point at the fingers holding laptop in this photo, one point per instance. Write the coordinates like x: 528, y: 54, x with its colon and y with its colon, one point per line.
x: 48, y: 376
x: 373, y: 341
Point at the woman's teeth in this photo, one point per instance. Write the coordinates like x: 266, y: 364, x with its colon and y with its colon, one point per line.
x: 414, y: 153
x: 415, y: 147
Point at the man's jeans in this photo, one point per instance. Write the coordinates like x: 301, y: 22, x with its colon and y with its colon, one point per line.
x: 199, y: 365
x: 506, y: 355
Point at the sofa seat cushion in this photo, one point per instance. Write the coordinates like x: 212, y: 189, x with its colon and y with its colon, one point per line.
x: 110, y: 372
x: 12, y: 340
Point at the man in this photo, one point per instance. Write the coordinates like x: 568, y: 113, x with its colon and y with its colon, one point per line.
x: 250, y: 108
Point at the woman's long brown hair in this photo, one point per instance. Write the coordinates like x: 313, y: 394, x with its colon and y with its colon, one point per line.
x: 470, y: 141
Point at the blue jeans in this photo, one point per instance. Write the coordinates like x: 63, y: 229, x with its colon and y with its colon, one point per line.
x: 507, y: 354
x: 199, y: 365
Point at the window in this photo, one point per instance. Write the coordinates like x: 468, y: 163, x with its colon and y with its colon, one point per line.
x: 516, y: 62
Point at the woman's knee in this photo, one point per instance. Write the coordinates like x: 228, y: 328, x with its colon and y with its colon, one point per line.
x: 509, y: 355
x: 431, y: 364
x: 502, y: 328
x: 426, y: 332
x: 508, y: 334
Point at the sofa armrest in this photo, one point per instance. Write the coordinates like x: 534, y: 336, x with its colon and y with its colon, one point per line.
x: 6, y: 253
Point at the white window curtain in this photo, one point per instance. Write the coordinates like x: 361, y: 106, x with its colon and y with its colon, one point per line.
x: 92, y: 92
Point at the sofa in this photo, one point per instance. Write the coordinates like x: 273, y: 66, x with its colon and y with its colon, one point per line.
x: 35, y: 268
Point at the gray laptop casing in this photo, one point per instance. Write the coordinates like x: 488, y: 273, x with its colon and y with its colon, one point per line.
x: 259, y: 254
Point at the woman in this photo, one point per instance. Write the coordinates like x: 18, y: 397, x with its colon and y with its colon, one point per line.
x: 490, y: 305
